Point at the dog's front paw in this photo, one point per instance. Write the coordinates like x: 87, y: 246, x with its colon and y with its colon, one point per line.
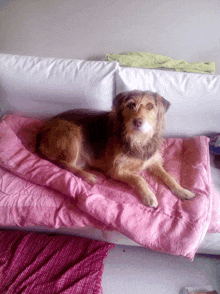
x: 150, y: 200
x: 185, y: 194
x: 91, y: 179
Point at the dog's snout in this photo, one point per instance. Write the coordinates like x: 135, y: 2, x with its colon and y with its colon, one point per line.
x: 137, y: 122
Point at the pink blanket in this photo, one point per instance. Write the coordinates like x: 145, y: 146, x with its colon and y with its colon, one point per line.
x: 36, y: 192
x: 39, y: 263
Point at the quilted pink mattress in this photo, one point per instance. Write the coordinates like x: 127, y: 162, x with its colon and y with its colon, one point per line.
x: 35, y: 192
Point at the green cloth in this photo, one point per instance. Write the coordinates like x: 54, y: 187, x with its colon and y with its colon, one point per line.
x: 143, y: 59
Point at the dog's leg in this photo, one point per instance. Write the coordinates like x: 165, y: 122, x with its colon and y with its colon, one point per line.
x: 139, y: 184
x: 89, y: 177
x: 179, y: 191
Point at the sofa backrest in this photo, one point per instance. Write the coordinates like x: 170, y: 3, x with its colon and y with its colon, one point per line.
x: 42, y: 87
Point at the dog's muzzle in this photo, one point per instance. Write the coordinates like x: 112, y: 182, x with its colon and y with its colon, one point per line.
x: 144, y: 127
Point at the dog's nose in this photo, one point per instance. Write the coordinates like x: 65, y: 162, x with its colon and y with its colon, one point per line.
x: 137, y: 122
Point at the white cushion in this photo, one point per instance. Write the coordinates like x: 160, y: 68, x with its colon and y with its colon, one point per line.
x: 194, y: 98
x: 42, y: 87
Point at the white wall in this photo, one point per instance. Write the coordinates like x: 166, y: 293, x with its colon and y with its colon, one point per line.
x: 88, y: 29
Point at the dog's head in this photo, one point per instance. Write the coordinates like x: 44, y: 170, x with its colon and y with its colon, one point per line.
x: 141, y: 113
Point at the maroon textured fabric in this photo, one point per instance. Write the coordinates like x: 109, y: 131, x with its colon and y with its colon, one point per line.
x: 40, y: 263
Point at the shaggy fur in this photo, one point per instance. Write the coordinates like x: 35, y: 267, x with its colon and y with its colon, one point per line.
x: 120, y: 143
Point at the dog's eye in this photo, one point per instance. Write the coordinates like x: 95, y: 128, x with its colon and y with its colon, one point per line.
x: 131, y: 105
x: 149, y: 106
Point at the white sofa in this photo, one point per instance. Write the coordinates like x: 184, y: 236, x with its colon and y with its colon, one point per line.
x: 42, y: 87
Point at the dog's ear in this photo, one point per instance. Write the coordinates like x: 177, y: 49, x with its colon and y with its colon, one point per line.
x: 163, y: 105
x: 120, y: 99
x: 161, y: 101
x: 116, y: 113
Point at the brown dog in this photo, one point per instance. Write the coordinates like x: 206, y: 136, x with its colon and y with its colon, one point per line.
x: 120, y: 143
